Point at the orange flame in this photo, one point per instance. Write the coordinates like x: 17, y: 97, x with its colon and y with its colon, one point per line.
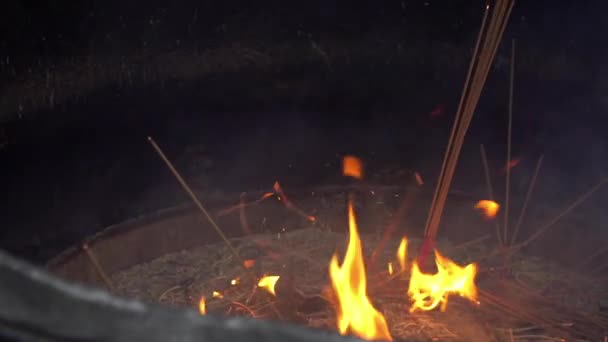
x: 427, y: 291
x: 489, y: 208
x: 202, y: 307
x: 268, y: 283
x: 217, y: 294
x: 355, y: 313
x: 402, y: 253
x: 352, y: 167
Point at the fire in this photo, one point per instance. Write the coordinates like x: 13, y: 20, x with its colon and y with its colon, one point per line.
x: 390, y: 268
x: 202, y: 307
x: 402, y: 254
x: 427, y: 291
x: 268, y: 283
x: 352, y: 167
x: 217, y: 294
x: 489, y: 208
x: 355, y: 313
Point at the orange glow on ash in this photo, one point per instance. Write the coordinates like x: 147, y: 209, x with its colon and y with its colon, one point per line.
x: 355, y: 313
x: 489, y: 208
x: 352, y: 167
x: 427, y: 291
x: 268, y: 283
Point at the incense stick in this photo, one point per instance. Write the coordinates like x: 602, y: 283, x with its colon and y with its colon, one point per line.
x: 484, y: 160
x: 527, y: 199
x: 565, y: 212
x: 469, y: 99
x: 194, y: 197
x: 97, y: 266
x: 509, y: 130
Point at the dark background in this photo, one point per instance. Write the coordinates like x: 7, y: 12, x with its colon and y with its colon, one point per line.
x: 241, y: 93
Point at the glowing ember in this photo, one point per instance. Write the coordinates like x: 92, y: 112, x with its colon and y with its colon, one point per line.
x: 511, y: 164
x: 355, y: 313
x: 202, y: 307
x: 402, y: 253
x: 427, y: 291
x: 249, y: 263
x: 489, y: 208
x: 419, y: 180
x: 390, y: 268
x: 217, y: 294
x: 268, y: 283
x: 352, y: 167
x: 235, y: 281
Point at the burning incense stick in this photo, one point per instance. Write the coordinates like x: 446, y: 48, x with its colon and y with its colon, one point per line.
x: 476, y: 77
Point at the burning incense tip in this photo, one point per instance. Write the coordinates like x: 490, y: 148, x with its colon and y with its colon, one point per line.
x: 489, y: 208
x: 217, y: 294
x: 202, y: 307
x: 352, y: 167
x: 268, y: 283
x: 234, y: 281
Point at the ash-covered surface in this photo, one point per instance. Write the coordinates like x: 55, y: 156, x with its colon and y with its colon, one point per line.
x: 531, y: 297
x: 302, y: 256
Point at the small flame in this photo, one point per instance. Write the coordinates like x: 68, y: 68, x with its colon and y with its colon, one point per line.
x: 202, y: 307
x: 235, y: 281
x: 352, y: 167
x: 489, y: 208
x: 427, y: 291
x: 390, y: 268
x: 268, y: 283
x: 355, y: 313
x: 402, y: 253
x: 217, y: 294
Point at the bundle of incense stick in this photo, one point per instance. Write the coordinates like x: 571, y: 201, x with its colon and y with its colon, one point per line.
x: 488, y: 40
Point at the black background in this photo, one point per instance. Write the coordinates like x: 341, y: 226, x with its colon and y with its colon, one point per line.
x: 289, y: 87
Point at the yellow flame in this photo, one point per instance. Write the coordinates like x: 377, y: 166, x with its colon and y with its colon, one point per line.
x: 268, y: 283
x: 352, y: 167
x: 427, y: 291
x: 202, y: 307
x: 217, y: 294
x: 489, y: 208
x: 402, y: 253
x: 355, y: 313
x: 390, y: 268
x: 234, y: 281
